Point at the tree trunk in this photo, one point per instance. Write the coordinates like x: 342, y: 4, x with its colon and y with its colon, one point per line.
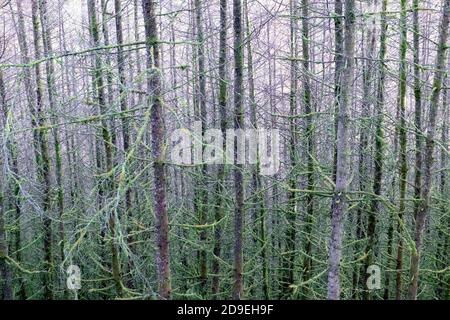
x: 363, y: 165
x: 339, y: 198
x: 125, y: 127
x: 309, y: 128
x: 220, y: 200
x: 338, y: 65
x: 32, y: 108
x: 50, y: 78
x: 403, y: 168
x: 108, y: 70
x: 200, y: 193
x: 417, y: 107
x: 107, y: 144
x: 442, y: 237
x: 5, y: 270
x: 43, y: 166
x: 418, y: 126
x: 155, y: 102
x: 291, y: 210
x: 259, y: 209
x: 238, y: 286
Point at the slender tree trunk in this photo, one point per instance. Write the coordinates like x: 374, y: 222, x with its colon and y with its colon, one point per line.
x: 107, y: 144
x: 137, y: 52
x: 363, y: 165
x: 5, y: 271
x: 379, y: 133
x: 417, y: 106
x: 32, y: 107
x: 339, y: 197
x: 50, y: 78
x: 258, y: 195
x: 238, y: 286
x: 122, y: 92
x: 43, y: 165
x: 220, y: 200
x: 418, y: 124
x: 442, y: 250
x: 429, y: 149
x: 108, y: 70
x: 155, y: 102
x: 378, y: 161
x: 274, y: 218
x: 309, y: 128
x: 403, y: 168
x: 123, y: 97
x: 201, y: 195
x: 291, y: 210
x: 338, y: 65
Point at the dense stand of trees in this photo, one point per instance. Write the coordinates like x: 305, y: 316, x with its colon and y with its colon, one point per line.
x: 92, y: 92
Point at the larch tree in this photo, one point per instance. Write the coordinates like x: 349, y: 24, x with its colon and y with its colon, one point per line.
x: 200, y: 116
x: 51, y: 92
x: 5, y: 270
x: 32, y: 108
x: 339, y: 196
x: 403, y: 168
x: 155, y: 103
x: 338, y: 63
x: 259, y: 208
x: 291, y: 210
x: 363, y: 164
x: 43, y: 163
x: 219, y: 211
x: 307, y: 103
x: 417, y: 87
x: 108, y: 148
x: 238, y: 117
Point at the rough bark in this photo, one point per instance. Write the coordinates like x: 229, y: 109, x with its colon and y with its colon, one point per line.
x: 309, y: 133
x: 219, y: 208
x: 43, y: 165
x: 50, y: 80
x: 259, y: 208
x: 339, y: 201
x: 108, y: 147
x: 238, y: 285
x: 201, y: 195
x: 363, y: 165
x: 5, y: 270
x: 155, y: 102
x: 338, y: 64
x: 291, y: 210
x: 442, y: 238
x: 31, y: 102
x: 403, y: 167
